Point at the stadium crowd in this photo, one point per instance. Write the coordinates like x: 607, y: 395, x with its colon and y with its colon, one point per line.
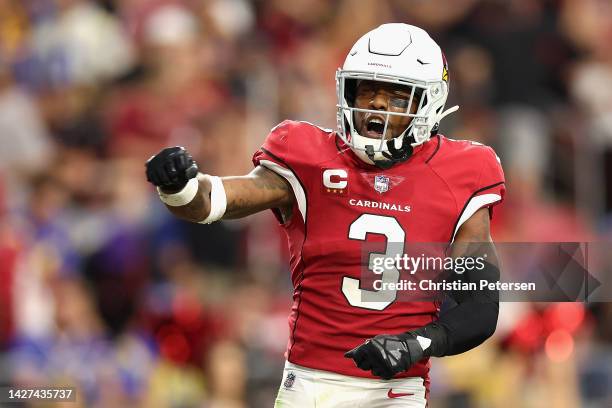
x: 100, y: 287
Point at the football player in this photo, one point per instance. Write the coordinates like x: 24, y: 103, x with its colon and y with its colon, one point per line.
x: 385, y: 175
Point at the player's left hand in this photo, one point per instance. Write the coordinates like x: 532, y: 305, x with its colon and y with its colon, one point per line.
x: 386, y: 355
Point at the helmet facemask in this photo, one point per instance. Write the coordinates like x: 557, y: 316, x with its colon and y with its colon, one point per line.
x: 383, y: 152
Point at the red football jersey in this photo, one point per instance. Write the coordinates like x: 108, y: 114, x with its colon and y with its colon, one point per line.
x: 343, y: 203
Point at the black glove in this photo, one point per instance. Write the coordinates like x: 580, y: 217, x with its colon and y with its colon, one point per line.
x: 171, y: 169
x: 386, y: 355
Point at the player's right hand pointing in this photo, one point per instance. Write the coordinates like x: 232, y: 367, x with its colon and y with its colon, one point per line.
x: 171, y: 169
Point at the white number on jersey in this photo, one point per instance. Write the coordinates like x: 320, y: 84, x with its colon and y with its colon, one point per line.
x: 392, y: 230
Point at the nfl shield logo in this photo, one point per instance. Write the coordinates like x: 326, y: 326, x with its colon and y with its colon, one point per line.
x: 381, y: 184
x: 289, y: 380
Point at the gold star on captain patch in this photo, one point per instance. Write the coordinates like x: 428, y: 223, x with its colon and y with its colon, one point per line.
x: 445, y: 74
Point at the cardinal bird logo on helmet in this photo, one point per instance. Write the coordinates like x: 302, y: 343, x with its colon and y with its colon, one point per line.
x: 392, y: 56
x: 444, y: 68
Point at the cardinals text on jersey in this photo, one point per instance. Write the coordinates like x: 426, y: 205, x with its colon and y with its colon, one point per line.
x: 341, y: 203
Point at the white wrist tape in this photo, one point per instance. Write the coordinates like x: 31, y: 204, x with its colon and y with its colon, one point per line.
x: 183, y: 197
x: 424, y: 342
x: 218, y: 200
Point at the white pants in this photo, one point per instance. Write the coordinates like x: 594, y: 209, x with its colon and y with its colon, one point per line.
x: 308, y: 388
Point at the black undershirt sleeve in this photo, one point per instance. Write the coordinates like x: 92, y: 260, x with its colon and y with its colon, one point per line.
x: 471, y: 321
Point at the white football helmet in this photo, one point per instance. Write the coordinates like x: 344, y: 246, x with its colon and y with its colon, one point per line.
x: 402, y: 54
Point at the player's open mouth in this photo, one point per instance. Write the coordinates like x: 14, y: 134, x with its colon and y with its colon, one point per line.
x: 375, y: 127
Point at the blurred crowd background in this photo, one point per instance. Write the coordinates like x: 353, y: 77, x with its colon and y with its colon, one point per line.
x: 100, y: 287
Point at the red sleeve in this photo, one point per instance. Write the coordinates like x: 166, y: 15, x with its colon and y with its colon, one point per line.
x: 275, y: 155
x: 491, y: 179
x: 276, y: 146
x: 487, y: 190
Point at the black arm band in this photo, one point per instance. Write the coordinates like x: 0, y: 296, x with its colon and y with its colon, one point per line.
x: 471, y: 321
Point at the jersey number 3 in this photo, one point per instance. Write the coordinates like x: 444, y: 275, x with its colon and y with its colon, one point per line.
x: 392, y: 230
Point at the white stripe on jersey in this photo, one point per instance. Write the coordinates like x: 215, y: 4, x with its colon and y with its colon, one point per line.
x: 475, y: 204
x: 300, y: 194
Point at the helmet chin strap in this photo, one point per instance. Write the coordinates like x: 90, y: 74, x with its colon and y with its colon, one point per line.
x: 405, y: 151
x: 448, y: 112
x: 393, y: 154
